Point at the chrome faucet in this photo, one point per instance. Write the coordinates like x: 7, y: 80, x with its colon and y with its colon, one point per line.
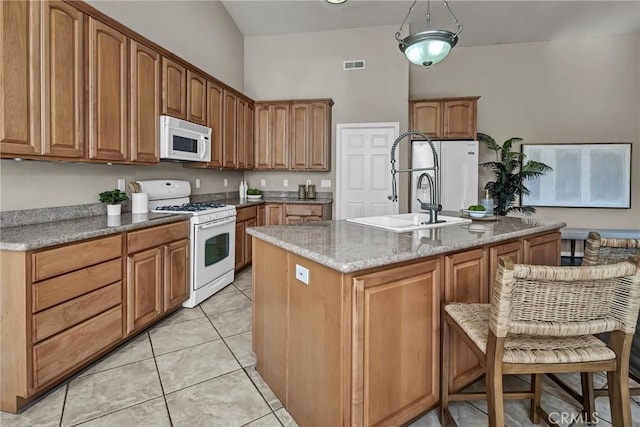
x: 434, y: 204
x: 433, y: 207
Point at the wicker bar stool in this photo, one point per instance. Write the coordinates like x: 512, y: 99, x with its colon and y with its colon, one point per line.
x: 599, y: 251
x: 543, y: 319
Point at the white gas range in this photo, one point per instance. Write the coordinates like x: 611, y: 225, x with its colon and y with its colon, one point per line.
x: 213, y: 235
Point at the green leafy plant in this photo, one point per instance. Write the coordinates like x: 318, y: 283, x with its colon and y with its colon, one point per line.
x: 113, y: 197
x: 253, y: 192
x: 510, y: 171
x: 478, y: 208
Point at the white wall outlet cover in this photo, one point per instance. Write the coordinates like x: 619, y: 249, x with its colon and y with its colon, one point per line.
x: 263, y: 182
x: 121, y: 184
x: 325, y: 183
x: 308, y: 182
x: 197, y: 182
x: 226, y: 182
x: 285, y: 182
x: 302, y: 274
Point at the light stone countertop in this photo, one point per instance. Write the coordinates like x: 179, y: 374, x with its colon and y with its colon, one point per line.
x: 37, y: 236
x: 287, y: 200
x: 348, y: 247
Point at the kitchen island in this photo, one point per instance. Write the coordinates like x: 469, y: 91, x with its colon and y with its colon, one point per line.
x: 346, y: 318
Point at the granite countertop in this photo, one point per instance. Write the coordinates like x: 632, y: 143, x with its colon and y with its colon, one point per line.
x: 348, y: 247
x: 289, y: 200
x: 37, y: 236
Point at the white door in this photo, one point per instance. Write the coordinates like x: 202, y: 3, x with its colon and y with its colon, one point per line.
x: 363, y: 177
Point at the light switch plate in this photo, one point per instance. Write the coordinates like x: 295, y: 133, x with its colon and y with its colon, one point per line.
x: 263, y: 183
x: 302, y: 274
x: 325, y: 183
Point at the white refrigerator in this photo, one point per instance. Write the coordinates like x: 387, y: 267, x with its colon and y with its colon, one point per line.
x: 458, y: 173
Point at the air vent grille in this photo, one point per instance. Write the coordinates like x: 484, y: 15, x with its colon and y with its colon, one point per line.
x: 353, y: 65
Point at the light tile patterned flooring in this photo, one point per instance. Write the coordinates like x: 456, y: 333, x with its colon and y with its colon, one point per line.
x: 196, y: 368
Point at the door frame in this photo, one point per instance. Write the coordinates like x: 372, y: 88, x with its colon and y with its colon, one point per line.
x: 395, y: 126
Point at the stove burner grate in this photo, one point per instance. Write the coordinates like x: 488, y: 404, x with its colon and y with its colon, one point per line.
x: 192, y: 207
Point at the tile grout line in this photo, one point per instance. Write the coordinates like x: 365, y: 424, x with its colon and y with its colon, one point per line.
x: 164, y: 396
x: 64, y: 403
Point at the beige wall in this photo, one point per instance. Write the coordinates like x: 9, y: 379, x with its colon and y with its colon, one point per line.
x: 552, y: 92
x: 200, y: 32
x: 208, y: 38
x: 310, y: 66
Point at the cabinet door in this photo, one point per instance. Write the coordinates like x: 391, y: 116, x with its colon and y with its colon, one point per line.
x: 542, y: 250
x: 299, y: 138
x: 196, y: 98
x: 280, y: 136
x: 241, y: 144
x: 144, y: 288
x: 293, y: 219
x: 229, y: 153
x: 407, y: 296
x: 460, y: 119
x: 261, y: 216
x: 62, y: 80
x: 176, y: 274
x: 108, y: 126
x: 465, y: 280
x: 215, y: 122
x: 311, y: 219
x: 320, y: 137
x: 174, y: 89
x: 20, y: 76
x: 144, y: 108
x: 426, y: 117
x: 248, y: 245
x: 513, y: 250
x: 262, y: 136
x: 248, y: 135
x: 240, y: 247
x: 273, y: 214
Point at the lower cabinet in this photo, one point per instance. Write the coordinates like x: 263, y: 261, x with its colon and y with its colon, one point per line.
x: 296, y: 213
x: 542, y: 250
x: 157, y: 273
x: 274, y: 214
x: 69, y: 305
x: 245, y: 218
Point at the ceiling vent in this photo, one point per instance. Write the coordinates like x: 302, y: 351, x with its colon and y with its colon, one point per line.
x: 353, y: 65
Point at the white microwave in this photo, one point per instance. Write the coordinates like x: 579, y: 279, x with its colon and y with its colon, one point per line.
x: 184, y: 141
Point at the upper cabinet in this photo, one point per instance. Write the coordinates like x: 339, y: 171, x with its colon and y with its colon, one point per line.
x: 445, y: 118
x: 244, y: 134
x: 108, y: 124
x: 174, y: 88
x: 196, y: 98
x: 229, y: 155
x: 215, y: 121
x: 144, y: 103
x: 293, y: 135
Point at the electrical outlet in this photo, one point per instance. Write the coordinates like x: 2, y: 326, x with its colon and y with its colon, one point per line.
x: 285, y: 182
x: 226, y: 182
x: 263, y: 183
x: 121, y: 184
x: 308, y: 182
x: 325, y: 183
x: 302, y: 274
x: 197, y: 182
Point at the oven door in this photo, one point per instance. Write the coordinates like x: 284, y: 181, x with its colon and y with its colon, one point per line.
x: 214, y: 250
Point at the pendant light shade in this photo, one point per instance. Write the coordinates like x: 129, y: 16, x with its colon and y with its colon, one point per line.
x: 428, y: 47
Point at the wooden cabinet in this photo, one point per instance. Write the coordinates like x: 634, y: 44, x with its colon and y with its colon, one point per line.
x: 244, y: 134
x: 229, y: 154
x: 249, y: 136
x: 465, y: 280
x: 511, y: 249
x: 303, y: 213
x: 20, y: 76
x: 261, y: 220
x: 246, y: 217
x: 174, y: 88
x: 274, y: 214
x: 144, y: 103
x: 215, y: 121
x: 108, y: 70
x: 62, y: 80
x: 401, y: 306
x: 445, y: 118
x: 61, y: 300
x: 542, y: 250
x: 157, y: 272
x: 196, y: 98
x: 293, y: 135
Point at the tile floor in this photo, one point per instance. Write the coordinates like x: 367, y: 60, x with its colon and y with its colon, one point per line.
x: 196, y: 368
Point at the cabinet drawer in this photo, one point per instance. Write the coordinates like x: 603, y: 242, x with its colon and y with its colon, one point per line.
x: 63, y: 288
x: 61, y: 353
x: 75, y: 256
x: 64, y: 316
x: 246, y: 213
x: 155, y: 236
x: 303, y: 210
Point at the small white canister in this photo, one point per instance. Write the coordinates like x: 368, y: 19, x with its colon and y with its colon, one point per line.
x: 139, y: 203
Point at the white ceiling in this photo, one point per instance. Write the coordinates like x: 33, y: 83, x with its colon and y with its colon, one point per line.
x: 485, y: 22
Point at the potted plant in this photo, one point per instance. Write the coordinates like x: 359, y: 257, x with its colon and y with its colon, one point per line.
x: 510, y: 171
x: 113, y: 199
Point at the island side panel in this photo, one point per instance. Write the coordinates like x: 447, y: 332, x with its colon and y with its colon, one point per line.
x: 270, y: 315
x: 315, y: 346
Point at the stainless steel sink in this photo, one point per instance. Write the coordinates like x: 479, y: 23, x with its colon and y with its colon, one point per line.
x: 407, y: 222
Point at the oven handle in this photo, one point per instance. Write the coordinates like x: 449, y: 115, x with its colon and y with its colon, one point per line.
x: 216, y: 223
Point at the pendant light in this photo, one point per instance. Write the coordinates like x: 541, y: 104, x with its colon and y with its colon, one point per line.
x: 431, y: 46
